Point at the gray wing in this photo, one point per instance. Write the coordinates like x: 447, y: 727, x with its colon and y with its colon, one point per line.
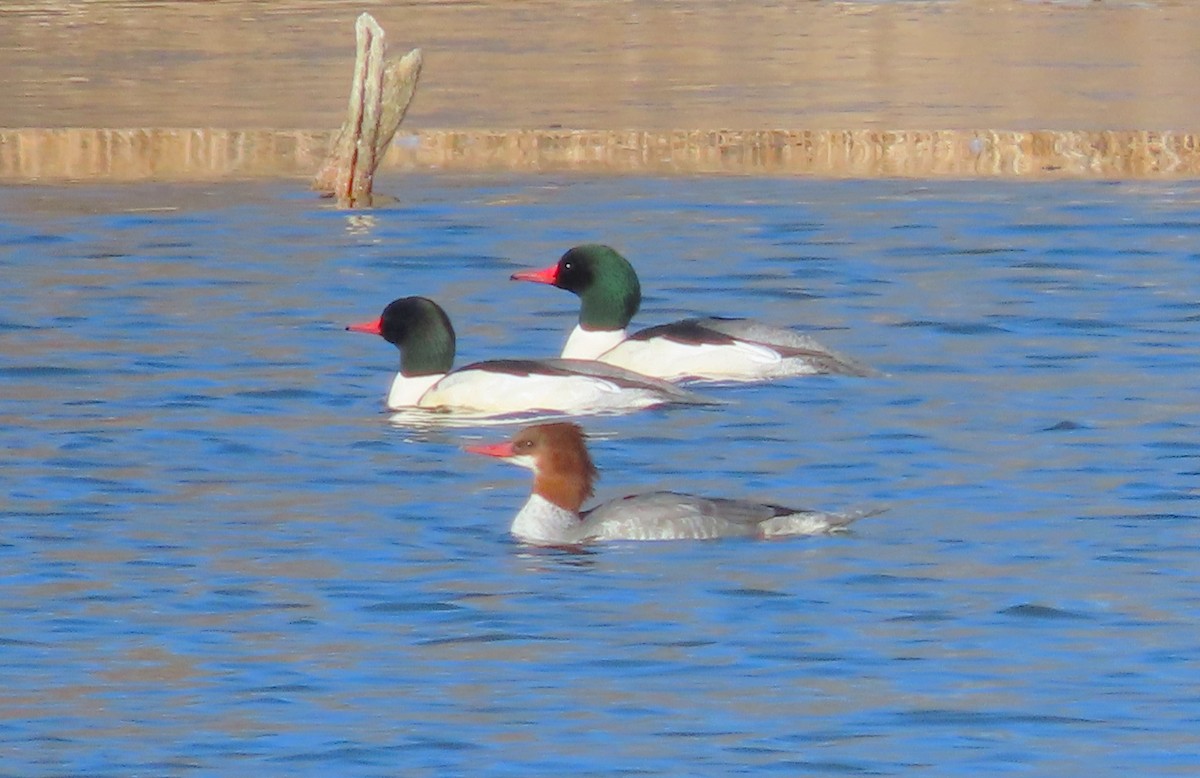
x: 787, y: 342
x: 673, y: 516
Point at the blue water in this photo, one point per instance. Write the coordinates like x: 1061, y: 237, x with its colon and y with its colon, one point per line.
x: 218, y: 556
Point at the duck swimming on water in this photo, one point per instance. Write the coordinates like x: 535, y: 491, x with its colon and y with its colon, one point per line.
x: 563, y: 477
x: 423, y: 333
x: 704, y: 349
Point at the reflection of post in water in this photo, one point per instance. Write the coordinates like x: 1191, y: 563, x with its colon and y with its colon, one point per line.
x: 379, y: 98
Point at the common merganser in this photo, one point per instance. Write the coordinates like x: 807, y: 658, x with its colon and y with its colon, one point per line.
x: 703, y: 349
x: 563, y: 475
x: 423, y: 333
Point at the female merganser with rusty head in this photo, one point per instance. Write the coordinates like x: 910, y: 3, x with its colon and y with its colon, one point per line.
x: 563, y: 475
x: 710, y: 349
x: 422, y: 331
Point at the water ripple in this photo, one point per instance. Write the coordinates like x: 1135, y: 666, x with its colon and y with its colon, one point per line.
x: 208, y: 514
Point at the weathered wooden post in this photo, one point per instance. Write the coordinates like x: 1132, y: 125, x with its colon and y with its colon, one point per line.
x: 379, y: 98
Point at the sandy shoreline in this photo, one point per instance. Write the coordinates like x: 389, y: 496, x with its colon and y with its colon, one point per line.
x: 120, y: 155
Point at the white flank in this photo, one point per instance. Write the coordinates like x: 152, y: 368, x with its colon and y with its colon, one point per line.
x: 673, y: 361
x: 496, y: 393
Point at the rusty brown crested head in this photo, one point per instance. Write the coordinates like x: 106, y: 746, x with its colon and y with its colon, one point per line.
x: 563, y: 472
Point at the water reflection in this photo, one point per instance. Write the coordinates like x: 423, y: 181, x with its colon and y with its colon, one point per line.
x: 640, y: 64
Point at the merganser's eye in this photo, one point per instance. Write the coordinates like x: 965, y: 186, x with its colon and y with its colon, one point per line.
x: 523, y: 445
x: 568, y: 266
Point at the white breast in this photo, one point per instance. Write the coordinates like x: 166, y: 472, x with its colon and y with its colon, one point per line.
x: 407, y: 392
x: 590, y: 344
x: 542, y: 522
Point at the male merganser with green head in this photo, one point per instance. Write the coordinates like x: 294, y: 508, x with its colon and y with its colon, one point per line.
x: 708, y: 349
x: 422, y: 331
x: 563, y: 475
